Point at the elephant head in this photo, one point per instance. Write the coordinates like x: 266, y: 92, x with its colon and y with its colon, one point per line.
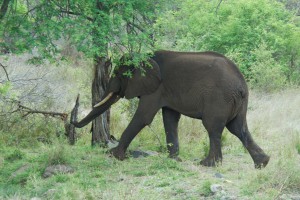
x: 142, y: 81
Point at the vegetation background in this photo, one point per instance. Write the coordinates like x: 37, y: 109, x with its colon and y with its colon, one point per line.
x: 49, y: 50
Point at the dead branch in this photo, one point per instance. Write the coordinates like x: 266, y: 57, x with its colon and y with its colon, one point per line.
x: 218, y: 6
x: 4, y: 68
x: 70, y: 128
x: 27, y: 111
x: 74, y: 112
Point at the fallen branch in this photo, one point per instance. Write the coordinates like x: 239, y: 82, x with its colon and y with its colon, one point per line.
x: 27, y: 111
x: 69, y: 128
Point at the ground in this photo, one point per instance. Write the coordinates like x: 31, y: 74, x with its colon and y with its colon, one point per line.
x: 273, y: 120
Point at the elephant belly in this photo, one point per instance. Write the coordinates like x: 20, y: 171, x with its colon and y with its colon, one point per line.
x: 195, y: 102
x: 190, y: 104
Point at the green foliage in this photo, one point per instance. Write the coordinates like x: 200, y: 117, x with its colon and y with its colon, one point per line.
x: 96, y: 28
x: 17, y: 154
x: 267, y: 74
x: 237, y: 29
x: 17, y: 131
x: 56, y: 155
x: 297, y: 142
x: 4, y: 88
x: 205, y: 188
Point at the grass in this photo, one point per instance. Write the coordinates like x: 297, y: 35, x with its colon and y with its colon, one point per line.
x: 97, y: 176
x: 273, y: 120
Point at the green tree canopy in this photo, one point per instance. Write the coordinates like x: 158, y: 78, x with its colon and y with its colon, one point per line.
x: 237, y: 28
x: 94, y: 27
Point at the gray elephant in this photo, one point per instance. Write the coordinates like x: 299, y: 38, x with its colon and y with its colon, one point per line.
x: 202, y: 85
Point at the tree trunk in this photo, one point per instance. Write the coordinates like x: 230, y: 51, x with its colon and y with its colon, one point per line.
x: 4, y: 8
x: 100, y: 126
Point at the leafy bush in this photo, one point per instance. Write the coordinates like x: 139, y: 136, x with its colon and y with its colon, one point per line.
x: 238, y: 29
x: 205, y: 188
x: 4, y: 88
x: 267, y: 74
x: 57, y: 154
x: 17, y: 154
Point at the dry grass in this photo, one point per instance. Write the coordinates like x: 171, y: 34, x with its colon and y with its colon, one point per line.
x: 274, y: 121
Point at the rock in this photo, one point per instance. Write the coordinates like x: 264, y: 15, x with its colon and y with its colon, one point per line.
x: 35, y: 198
x: 113, y: 144
x: 56, y: 169
x: 218, y: 175
x: 152, y: 153
x: 49, y: 194
x: 139, y: 153
x: 225, y: 197
x: 290, y: 197
x: 19, y: 171
x: 214, y: 188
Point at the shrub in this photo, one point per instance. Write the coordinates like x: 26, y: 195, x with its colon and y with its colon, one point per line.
x: 57, y: 154
x: 267, y: 74
x: 15, y: 155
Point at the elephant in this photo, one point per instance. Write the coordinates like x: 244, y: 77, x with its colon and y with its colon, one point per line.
x: 202, y: 85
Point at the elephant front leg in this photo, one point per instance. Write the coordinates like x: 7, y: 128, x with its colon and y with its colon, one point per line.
x: 171, y: 118
x: 147, y: 108
x: 134, y: 127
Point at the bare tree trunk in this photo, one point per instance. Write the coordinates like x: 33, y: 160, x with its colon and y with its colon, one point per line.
x: 3, y: 8
x: 100, y: 126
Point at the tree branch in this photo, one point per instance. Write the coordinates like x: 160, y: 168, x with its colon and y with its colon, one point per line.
x: 4, y: 8
x: 5, y: 71
x: 77, y: 14
x: 27, y: 111
x: 218, y: 6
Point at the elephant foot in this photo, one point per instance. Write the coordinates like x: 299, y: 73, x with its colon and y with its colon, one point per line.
x: 261, y: 161
x: 210, y: 162
x: 118, y: 153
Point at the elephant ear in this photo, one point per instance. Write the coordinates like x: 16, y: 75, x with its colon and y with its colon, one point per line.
x: 143, y: 83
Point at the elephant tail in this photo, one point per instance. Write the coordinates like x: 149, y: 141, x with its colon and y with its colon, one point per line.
x: 240, y: 102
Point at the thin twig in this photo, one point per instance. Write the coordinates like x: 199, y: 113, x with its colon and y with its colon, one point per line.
x: 218, y: 6
x: 156, y: 135
x: 282, y: 187
x: 5, y: 71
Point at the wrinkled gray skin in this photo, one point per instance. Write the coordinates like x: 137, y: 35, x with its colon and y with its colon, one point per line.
x: 205, y: 86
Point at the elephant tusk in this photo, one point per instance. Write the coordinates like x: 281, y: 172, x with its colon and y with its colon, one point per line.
x: 104, y: 100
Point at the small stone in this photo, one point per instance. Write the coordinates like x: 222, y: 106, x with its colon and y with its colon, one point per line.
x: 151, y: 153
x: 49, y: 194
x: 290, y: 196
x: 55, y: 169
x: 215, y: 188
x: 228, y: 198
x: 19, y: 171
x: 35, y: 198
x: 111, y: 145
x: 218, y: 175
x: 140, y: 153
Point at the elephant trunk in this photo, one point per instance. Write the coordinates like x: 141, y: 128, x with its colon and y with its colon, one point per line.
x: 97, y: 110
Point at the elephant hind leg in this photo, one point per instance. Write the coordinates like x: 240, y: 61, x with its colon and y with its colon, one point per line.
x: 238, y: 127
